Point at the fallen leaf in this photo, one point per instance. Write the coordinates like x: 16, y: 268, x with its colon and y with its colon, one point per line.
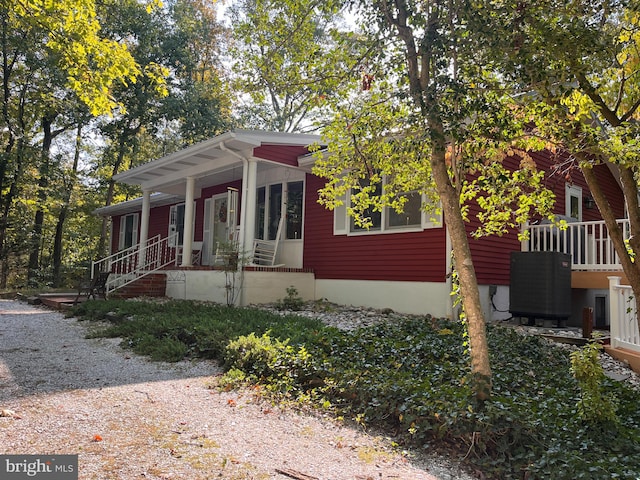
x: 97, y: 438
x: 231, y: 402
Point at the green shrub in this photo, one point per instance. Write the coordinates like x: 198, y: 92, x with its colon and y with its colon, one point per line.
x: 595, y: 404
x: 292, y: 301
x: 271, y: 361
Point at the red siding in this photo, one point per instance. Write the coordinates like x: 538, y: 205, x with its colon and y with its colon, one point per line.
x: 285, y: 154
x: 419, y: 256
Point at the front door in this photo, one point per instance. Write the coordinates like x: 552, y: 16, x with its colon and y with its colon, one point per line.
x: 220, y: 222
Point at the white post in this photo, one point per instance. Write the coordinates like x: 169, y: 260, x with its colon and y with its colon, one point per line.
x: 144, y: 226
x: 524, y: 244
x: 249, y: 207
x: 187, y: 243
x: 614, y: 310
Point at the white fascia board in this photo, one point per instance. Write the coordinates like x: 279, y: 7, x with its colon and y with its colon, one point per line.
x: 135, y: 205
x: 174, y: 157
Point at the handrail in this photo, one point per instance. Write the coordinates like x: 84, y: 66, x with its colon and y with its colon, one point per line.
x: 588, y: 243
x: 130, y: 264
x: 623, y: 316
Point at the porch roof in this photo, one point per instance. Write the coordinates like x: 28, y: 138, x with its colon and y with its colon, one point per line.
x: 135, y: 205
x: 220, y: 157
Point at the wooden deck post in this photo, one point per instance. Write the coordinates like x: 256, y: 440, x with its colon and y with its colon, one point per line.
x: 587, y: 322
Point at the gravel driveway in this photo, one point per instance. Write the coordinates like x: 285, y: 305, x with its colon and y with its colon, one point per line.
x: 129, y: 418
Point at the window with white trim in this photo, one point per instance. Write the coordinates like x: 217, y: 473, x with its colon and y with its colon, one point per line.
x: 412, y: 218
x: 271, y: 201
x: 128, y: 231
x: 176, y: 224
x: 573, y: 201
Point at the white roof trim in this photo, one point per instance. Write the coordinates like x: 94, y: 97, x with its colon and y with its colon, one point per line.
x: 241, y: 142
x: 135, y: 205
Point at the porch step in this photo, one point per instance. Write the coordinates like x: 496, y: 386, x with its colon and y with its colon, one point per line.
x: 625, y: 355
x: 152, y: 285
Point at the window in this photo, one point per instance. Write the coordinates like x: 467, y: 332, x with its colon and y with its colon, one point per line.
x: 295, y: 195
x: 261, y: 211
x: 412, y: 218
x: 573, y: 203
x: 176, y: 224
x: 275, y: 209
x: 128, y: 231
x: 374, y: 216
x: 271, y: 202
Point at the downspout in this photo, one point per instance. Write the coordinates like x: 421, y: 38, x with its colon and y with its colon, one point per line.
x: 249, y: 172
x: 245, y: 175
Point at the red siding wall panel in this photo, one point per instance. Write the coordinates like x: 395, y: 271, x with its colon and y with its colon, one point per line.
x: 285, y: 154
x: 415, y: 256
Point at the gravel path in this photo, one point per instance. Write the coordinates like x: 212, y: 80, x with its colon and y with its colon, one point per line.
x: 129, y: 418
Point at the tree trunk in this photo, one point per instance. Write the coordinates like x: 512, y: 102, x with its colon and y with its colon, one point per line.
x: 126, y: 134
x: 424, y: 91
x: 7, y: 204
x: 64, y: 210
x: 463, y: 263
x: 43, y: 183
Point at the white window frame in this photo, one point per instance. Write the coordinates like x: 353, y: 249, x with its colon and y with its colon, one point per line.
x: 283, y: 207
x: 172, y: 227
x: 342, y: 221
x: 134, y: 231
x: 573, y: 191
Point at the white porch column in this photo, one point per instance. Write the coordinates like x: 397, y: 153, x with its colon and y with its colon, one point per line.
x: 249, y: 207
x: 144, y: 224
x: 187, y: 247
x: 614, y: 310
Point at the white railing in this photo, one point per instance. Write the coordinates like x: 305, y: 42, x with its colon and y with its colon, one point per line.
x: 588, y: 243
x: 130, y: 264
x: 623, y: 316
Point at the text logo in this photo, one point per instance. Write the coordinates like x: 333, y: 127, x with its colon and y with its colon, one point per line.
x: 49, y: 467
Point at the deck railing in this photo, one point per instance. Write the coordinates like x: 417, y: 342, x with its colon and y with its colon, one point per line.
x: 128, y: 265
x: 622, y: 314
x: 588, y: 243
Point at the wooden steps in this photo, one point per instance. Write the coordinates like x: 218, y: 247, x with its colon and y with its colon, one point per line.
x: 152, y: 285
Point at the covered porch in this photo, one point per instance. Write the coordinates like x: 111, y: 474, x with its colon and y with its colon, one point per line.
x: 239, y: 194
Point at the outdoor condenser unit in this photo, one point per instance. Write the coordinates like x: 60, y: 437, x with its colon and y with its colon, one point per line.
x: 540, y: 285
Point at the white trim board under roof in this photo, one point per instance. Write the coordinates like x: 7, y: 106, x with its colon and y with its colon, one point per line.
x: 135, y: 205
x: 220, y: 156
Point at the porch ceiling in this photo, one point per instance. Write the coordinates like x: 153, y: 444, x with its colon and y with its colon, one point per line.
x: 220, y: 157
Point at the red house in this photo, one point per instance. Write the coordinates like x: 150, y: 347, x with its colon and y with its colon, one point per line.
x: 256, y: 189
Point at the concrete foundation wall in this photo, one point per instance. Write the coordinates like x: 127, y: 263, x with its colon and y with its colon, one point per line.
x: 404, y: 297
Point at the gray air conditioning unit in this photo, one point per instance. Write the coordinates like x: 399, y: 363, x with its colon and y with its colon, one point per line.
x: 540, y: 285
